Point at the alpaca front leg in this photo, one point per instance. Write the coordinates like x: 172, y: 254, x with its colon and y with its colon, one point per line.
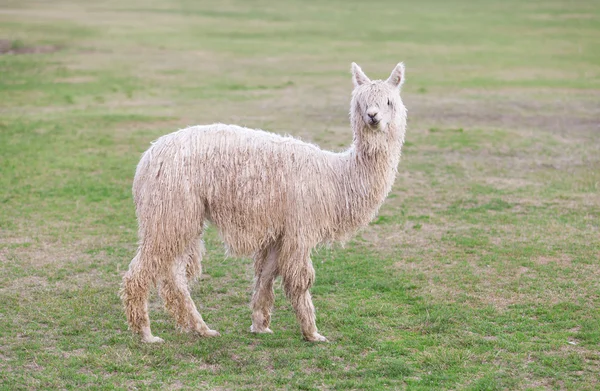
x: 265, y: 271
x: 305, y: 313
x: 296, y: 281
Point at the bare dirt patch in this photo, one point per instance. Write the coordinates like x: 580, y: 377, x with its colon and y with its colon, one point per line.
x: 26, y: 283
x: 8, y: 46
x: 563, y: 260
x: 563, y: 114
x: 75, y: 79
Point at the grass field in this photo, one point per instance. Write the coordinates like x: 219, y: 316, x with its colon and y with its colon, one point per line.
x: 482, y: 271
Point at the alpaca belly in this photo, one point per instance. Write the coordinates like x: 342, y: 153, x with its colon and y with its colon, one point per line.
x: 246, y: 220
x: 244, y: 234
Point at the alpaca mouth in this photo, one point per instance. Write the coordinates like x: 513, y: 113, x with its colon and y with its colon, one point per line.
x: 373, y: 123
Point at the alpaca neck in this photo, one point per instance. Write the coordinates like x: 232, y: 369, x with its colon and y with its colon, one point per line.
x: 369, y: 175
x: 375, y: 164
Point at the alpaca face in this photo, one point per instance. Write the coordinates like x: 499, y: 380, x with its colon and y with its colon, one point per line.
x: 375, y: 104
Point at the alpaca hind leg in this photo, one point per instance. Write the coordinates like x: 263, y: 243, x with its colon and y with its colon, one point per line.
x: 134, y: 294
x: 176, y: 295
x: 265, y: 271
x: 193, y: 268
x: 298, y: 276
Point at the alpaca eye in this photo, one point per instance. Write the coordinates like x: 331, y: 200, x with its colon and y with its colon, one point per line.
x: 389, y: 103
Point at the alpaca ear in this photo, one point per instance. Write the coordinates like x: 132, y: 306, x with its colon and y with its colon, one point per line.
x: 358, y: 76
x: 397, y: 77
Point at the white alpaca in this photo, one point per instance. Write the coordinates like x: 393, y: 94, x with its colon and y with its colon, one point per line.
x: 271, y: 197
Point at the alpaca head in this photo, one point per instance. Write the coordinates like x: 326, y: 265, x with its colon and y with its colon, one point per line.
x: 376, y: 104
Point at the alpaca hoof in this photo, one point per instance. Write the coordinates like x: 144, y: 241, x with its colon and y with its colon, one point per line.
x: 316, y: 337
x: 152, y: 339
x: 256, y: 330
x: 209, y: 333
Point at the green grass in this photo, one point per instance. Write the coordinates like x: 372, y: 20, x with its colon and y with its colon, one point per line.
x: 480, y: 272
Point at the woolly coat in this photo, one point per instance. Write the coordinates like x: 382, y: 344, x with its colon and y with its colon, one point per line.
x: 259, y: 187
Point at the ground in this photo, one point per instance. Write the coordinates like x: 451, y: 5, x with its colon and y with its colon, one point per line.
x: 480, y: 273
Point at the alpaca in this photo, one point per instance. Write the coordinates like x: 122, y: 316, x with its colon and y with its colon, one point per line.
x: 271, y: 197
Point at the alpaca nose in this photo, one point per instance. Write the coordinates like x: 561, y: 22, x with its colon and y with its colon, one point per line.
x: 372, y: 112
